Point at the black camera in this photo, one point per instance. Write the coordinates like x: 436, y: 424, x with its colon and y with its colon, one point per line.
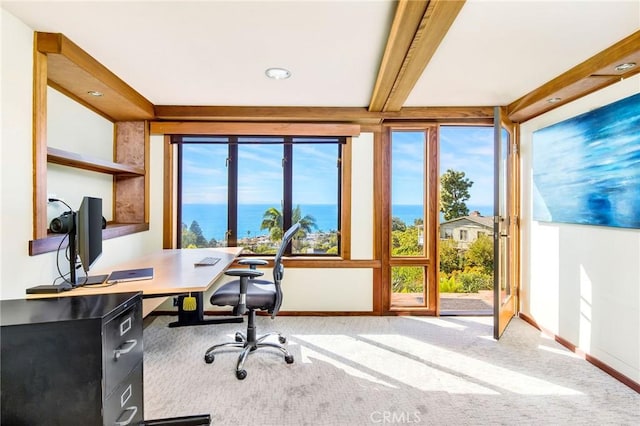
x: 62, y: 224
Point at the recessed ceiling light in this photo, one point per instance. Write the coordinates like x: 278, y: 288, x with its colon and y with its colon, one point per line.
x: 278, y: 73
x: 94, y: 93
x: 554, y: 100
x: 625, y: 66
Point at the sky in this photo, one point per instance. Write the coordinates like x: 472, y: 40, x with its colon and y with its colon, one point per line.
x: 468, y: 149
x: 260, y: 181
x: 462, y: 148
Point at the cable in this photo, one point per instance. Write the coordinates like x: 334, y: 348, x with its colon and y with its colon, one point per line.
x: 51, y: 200
x: 67, y: 254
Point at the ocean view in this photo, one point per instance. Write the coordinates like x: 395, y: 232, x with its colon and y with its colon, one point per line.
x: 212, y: 218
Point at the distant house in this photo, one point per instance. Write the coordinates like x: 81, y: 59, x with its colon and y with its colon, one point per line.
x: 466, y: 229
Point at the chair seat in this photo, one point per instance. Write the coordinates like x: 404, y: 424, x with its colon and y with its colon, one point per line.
x: 260, y: 295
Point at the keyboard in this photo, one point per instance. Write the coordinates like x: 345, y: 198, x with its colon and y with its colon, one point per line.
x: 207, y: 261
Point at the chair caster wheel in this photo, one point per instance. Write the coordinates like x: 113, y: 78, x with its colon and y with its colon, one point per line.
x: 238, y: 338
x: 282, y: 340
x: 241, y: 374
x: 208, y: 358
x: 288, y: 359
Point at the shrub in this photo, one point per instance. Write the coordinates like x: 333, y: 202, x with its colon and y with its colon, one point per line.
x: 449, y: 284
x: 480, y: 254
x: 473, y: 279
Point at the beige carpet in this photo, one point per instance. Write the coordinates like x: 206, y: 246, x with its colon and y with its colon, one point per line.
x: 381, y: 370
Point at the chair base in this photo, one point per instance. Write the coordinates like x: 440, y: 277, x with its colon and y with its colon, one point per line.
x: 249, y: 343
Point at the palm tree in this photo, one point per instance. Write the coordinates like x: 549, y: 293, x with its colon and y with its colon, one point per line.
x: 307, y: 223
x: 273, y: 221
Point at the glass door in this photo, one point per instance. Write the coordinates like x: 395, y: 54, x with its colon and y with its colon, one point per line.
x: 505, y: 230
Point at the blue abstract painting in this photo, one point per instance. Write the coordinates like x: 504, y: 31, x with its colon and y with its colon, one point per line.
x: 586, y: 169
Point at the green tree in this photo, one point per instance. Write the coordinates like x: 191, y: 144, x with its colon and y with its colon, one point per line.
x: 449, y: 256
x: 454, y: 192
x: 406, y: 243
x: 272, y: 220
x: 201, y: 241
x: 397, y: 224
x: 480, y: 254
x: 307, y: 222
x: 188, y: 237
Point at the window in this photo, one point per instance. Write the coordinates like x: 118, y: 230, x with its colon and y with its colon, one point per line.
x: 463, y: 235
x: 244, y: 191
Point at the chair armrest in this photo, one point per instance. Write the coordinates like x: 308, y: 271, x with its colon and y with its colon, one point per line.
x: 245, y: 275
x: 253, y: 263
x: 249, y: 273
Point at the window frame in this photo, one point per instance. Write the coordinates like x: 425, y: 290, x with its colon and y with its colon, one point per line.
x: 233, y: 141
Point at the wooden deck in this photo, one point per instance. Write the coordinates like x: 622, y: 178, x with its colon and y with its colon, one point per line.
x: 450, y: 303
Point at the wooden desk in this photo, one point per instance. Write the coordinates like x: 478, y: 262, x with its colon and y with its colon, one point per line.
x: 174, y: 273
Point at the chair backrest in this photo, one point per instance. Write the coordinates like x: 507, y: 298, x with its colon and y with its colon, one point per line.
x: 278, y: 269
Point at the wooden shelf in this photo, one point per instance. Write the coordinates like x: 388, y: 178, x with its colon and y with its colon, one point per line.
x: 84, y: 162
x: 113, y: 230
x: 74, y: 72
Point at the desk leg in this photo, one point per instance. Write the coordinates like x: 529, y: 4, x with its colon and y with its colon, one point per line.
x: 188, y: 318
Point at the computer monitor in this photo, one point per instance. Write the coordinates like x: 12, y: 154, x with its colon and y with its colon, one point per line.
x: 84, y: 230
x: 85, y: 241
x: 89, y: 231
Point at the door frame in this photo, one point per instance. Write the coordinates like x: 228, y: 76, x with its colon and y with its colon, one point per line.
x: 506, y: 226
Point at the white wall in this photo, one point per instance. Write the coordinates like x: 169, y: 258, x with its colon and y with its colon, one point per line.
x: 582, y: 282
x: 76, y: 129
x: 18, y: 270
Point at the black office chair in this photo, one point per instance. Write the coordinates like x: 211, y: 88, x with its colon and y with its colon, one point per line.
x: 248, y: 294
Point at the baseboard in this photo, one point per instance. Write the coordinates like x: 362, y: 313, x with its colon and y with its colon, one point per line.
x: 591, y: 359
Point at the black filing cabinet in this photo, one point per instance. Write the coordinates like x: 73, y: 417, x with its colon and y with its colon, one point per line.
x: 72, y: 360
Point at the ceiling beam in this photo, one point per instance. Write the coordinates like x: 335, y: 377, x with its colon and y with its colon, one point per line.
x: 403, y: 30
x: 358, y: 115
x: 593, y: 74
x: 427, y: 33
x: 248, y: 113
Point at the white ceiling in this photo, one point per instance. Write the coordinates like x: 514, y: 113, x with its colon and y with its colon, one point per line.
x: 216, y: 52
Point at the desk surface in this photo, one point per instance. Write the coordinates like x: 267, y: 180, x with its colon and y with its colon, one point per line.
x: 173, y: 272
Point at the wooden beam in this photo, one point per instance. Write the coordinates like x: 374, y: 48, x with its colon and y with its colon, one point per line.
x: 317, y: 114
x: 168, y: 225
x: 434, y: 25
x: 403, y: 29
x: 440, y: 113
x: 263, y: 129
x: 593, y: 74
x: 245, y: 113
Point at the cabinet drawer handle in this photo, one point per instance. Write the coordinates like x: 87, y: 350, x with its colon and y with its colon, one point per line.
x: 134, y: 411
x: 125, y: 348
